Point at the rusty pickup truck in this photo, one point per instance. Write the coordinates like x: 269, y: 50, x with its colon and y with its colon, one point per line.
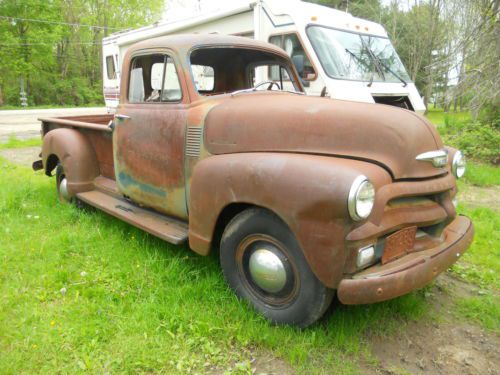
x: 215, y: 144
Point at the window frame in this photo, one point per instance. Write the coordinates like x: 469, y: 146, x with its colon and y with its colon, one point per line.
x: 282, y: 35
x: 166, y: 55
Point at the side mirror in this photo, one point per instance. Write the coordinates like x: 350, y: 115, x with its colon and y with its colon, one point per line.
x: 298, y: 61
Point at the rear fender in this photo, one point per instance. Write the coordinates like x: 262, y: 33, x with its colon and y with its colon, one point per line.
x: 74, y: 151
x: 308, y: 192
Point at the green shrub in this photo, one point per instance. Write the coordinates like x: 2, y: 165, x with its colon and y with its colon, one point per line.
x: 478, y: 140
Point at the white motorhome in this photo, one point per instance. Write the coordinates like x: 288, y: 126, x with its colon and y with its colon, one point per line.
x: 336, y: 54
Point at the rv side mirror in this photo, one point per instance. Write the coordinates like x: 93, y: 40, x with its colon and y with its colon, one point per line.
x: 298, y: 61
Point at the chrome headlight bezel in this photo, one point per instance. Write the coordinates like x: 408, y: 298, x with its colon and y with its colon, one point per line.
x: 458, y: 165
x: 360, y: 185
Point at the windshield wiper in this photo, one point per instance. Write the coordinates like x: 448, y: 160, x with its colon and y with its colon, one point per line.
x: 375, y: 61
x: 392, y: 72
x: 378, y: 62
x: 362, y: 62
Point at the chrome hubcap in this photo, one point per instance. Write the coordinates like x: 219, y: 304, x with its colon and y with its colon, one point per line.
x: 63, y: 188
x: 267, y: 270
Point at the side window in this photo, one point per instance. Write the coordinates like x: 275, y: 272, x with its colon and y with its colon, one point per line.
x: 110, y: 67
x: 204, y: 78
x: 291, y: 44
x: 153, y: 79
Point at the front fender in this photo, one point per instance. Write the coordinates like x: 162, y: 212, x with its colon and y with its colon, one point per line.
x: 308, y: 192
x: 76, y: 154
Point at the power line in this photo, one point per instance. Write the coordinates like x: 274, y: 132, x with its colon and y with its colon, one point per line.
x: 13, y: 19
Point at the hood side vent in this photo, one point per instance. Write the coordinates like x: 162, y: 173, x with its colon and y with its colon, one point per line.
x: 193, y: 141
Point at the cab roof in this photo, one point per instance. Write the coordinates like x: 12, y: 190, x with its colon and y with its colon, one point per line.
x: 187, y: 42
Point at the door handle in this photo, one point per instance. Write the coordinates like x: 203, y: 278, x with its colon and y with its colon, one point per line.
x: 122, y: 117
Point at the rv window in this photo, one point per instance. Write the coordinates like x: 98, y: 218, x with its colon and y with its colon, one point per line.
x: 292, y: 46
x: 110, y: 67
x: 203, y: 76
x: 154, y: 79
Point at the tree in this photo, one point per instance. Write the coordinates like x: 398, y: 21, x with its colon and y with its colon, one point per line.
x: 55, y: 46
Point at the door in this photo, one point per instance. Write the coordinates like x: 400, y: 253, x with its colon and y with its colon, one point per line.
x: 148, y: 139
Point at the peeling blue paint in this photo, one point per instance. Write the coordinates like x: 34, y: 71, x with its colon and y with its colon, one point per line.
x: 126, y: 181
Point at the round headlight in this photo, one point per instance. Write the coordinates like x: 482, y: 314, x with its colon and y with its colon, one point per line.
x: 361, y: 198
x: 458, y: 164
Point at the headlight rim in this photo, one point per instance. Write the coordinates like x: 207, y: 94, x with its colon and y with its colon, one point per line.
x: 352, y: 198
x: 454, y: 164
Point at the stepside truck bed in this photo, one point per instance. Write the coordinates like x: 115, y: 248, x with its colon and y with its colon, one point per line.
x: 96, y: 129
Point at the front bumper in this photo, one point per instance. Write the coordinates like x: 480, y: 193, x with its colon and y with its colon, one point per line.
x: 413, y: 271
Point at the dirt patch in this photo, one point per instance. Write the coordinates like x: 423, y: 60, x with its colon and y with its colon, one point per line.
x: 24, y: 156
x: 445, y: 347
x: 270, y: 365
x: 475, y: 196
x: 260, y: 362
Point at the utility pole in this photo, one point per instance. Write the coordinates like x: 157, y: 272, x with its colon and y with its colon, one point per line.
x: 23, y: 96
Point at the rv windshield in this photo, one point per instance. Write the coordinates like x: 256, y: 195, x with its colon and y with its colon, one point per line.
x: 347, y: 55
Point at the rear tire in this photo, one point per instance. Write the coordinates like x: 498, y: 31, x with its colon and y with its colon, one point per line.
x: 61, y: 185
x: 62, y: 188
x: 264, y: 264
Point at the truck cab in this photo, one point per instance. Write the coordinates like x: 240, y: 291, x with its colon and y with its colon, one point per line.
x: 214, y: 144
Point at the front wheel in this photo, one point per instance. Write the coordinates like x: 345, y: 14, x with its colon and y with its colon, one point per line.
x: 264, y: 264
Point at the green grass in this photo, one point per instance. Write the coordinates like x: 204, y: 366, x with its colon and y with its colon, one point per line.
x: 48, y: 106
x: 483, y: 309
x: 481, y: 262
x: 438, y: 117
x: 480, y: 174
x: 14, y: 142
x: 480, y: 265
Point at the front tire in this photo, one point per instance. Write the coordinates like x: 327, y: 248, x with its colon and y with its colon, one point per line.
x: 264, y: 264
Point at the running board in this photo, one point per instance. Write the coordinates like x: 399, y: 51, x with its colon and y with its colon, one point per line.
x: 166, y: 228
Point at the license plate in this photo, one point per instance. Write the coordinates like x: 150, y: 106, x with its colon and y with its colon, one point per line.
x: 399, y: 244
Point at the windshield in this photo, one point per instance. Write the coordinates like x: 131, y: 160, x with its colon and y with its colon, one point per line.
x: 346, y: 55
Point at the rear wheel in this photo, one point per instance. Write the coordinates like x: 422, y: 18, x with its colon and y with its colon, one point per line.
x: 62, y: 189
x: 264, y: 264
x: 62, y: 185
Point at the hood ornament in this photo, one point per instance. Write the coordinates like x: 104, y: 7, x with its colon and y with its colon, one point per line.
x: 438, y: 158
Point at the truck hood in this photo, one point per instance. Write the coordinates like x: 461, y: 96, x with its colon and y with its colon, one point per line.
x: 282, y: 122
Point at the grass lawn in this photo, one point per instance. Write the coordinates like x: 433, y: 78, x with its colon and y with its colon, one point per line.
x: 84, y: 292
x: 48, y: 106
x: 438, y: 117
